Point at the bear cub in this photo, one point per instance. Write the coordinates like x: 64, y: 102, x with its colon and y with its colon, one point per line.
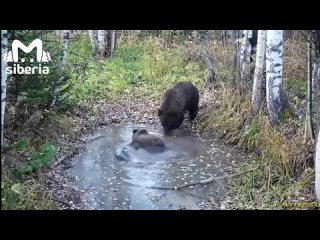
x: 141, y: 138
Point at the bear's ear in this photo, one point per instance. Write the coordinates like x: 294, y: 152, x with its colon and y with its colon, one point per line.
x: 159, y: 112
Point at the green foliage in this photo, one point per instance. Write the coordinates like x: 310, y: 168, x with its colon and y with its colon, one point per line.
x: 297, y: 87
x: 146, y: 67
x: 250, y: 139
x: 21, y: 145
x: 37, y: 89
x: 26, y: 196
x: 287, y: 114
x: 40, y: 158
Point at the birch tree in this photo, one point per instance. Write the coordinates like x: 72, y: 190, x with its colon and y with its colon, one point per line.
x: 113, y: 42
x: 317, y: 73
x: 245, y: 53
x: 102, y: 42
x: 93, y: 34
x: 276, y: 99
x: 259, y: 69
x: 309, y: 124
x: 57, y: 84
x: 236, y: 59
x: 317, y: 168
x: 317, y: 82
x: 4, y: 50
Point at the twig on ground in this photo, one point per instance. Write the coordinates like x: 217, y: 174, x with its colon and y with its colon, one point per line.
x: 206, y: 181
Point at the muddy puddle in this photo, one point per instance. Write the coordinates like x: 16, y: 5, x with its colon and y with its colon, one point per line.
x: 108, y: 183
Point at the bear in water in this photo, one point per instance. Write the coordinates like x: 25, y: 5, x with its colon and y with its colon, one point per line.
x: 182, y: 97
x: 141, y: 138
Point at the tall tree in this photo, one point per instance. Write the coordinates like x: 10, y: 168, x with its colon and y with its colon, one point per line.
x: 309, y: 123
x: 259, y: 69
x: 93, y: 34
x: 317, y: 83
x: 102, y: 43
x: 276, y: 99
x: 4, y: 77
x: 317, y: 73
x: 317, y: 168
x: 245, y: 53
x: 57, y: 84
x: 113, y: 42
x: 236, y: 59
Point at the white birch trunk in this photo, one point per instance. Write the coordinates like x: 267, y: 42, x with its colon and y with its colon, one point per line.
x: 65, y: 48
x: 93, y: 34
x: 4, y: 77
x: 317, y: 168
x: 236, y: 59
x: 243, y: 48
x: 63, y: 62
x: 309, y: 124
x: 247, y: 50
x: 275, y: 95
x: 258, y: 73
x: 317, y: 82
x: 245, y: 53
x: 102, y: 42
x: 113, y: 43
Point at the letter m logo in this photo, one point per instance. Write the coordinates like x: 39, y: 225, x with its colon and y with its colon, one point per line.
x: 42, y: 56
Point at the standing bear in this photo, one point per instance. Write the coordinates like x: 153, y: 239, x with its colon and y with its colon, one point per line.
x: 182, y: 97
x: 141, y: 138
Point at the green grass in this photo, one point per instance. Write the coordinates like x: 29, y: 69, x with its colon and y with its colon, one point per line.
x: 21, y: 145
x: 40, y: 158
x: 297, y: 88
x: 25, y: 196
x: 276, y: 147
x: 145, y: 68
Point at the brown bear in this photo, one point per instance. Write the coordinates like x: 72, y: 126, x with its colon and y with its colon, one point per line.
x: 141, y: 138
x: 182, y: 97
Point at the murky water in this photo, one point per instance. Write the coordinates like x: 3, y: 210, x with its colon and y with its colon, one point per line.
x: 112, y: 184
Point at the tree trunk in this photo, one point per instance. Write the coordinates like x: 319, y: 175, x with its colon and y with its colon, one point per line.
x: 309, y: 123
x: 93, y: 34
x: 259, y: 70
x: 4, y: 77
x: 212, y: 76
x: 102, y: 43
x: 236, y: 59
x: 63, y: 62
x: 317, y: 82
x: 317, y: 168
x: 276, y: 99
x: 316, y: 78
x: 113, y: 42
x: 243, y: 48
x: 245, y: 53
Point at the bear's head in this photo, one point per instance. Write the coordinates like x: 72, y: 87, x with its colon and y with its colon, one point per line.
x: 140, y: 131
x: 170, y: 120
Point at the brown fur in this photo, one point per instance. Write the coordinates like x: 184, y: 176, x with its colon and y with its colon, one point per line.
x: 142, y: 138
x: 182, y: 97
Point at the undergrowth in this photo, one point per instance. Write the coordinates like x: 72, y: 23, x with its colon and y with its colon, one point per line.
x: 19, y: 190
x: 142, y: 68
x: 286, y: 172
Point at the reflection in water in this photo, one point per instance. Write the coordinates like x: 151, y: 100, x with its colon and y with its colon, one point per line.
x: 114, y: 184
